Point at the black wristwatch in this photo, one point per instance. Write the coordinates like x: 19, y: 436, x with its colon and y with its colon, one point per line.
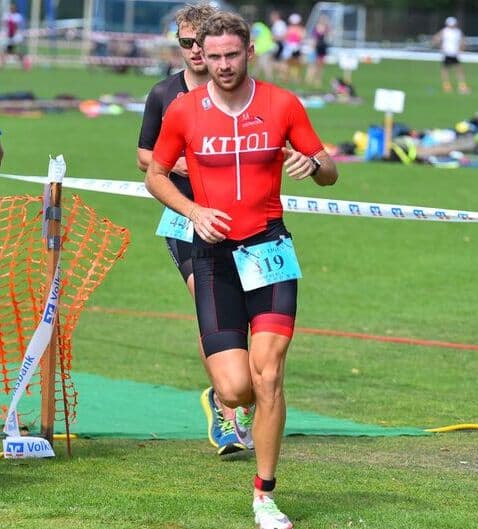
x: 316, y: 163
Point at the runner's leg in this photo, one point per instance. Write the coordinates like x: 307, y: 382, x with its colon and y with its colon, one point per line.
x: 226, y: 441
x: 267, y: 359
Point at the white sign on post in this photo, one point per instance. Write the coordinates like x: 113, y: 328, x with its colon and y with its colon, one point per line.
x: 389, y: 100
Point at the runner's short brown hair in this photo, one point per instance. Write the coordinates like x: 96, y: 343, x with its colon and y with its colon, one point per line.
x: 223, y: 22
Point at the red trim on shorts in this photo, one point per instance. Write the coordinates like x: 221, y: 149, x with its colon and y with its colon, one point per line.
x: 272, y: 322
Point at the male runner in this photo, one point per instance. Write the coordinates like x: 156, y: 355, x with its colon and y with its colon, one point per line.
x: 234, y: 132
x: 220, y: 418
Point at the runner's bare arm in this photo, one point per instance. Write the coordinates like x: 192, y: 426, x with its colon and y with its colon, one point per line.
x: 300, y: 166
x: 144, y: 157
x: 207, y: 221
x: 327, y: 174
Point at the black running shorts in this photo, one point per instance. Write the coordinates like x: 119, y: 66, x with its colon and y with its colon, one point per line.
x: 225, y: 312
x: 180, y: 251
x: 450, y: 60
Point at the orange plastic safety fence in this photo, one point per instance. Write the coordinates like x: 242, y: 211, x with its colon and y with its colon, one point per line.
x: 90, y: 247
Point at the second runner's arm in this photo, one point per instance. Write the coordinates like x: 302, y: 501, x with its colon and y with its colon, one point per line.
x: 205, y: 220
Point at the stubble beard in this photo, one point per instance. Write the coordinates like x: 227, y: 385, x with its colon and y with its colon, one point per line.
x: 236, y: 81
x: 197, y: 69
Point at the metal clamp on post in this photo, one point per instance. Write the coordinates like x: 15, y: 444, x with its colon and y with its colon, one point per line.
x: 53, y: 213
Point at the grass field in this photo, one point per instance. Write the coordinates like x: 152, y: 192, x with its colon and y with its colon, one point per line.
x: 382, y: 277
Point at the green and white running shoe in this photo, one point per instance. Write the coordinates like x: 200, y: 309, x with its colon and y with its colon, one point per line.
x: 243, y: 420
x: 228, y: 442
x: 268, y: 516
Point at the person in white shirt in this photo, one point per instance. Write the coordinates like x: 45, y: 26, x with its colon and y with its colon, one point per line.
x: 13, y: 23
x: 451, y: 42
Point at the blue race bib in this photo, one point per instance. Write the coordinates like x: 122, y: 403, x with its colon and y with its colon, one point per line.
x: 266, y: 263
x: 175, y: 226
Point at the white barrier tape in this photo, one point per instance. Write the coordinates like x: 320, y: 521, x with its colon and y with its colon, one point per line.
x: 37, y: 346
x: 118, y: 35
x: 13, y: 446
x: 375, y: 210
x: 99, y: 35
x: 38, y: 343
x: 290, y: 203
x: 122, y: 61
x: 398, y: 54
x: 93, y: 60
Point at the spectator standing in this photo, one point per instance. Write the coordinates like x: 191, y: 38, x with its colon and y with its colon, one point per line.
x: 451, y: 41
x: 320, y: 35
x: 13, y: 26
x: 279, y: 30
x: 292, y: 47
x: 264, y: 47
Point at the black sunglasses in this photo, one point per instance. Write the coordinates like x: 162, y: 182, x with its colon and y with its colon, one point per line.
x: 187, y: 42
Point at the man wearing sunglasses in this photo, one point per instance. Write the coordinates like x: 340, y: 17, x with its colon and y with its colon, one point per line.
x: 220, y: 418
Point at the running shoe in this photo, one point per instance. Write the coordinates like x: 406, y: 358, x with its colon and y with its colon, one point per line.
x: 243, y: 420
x: 268, y: 516
x: 220, y: 431
x: 447, y: 87
x: 228, y: 442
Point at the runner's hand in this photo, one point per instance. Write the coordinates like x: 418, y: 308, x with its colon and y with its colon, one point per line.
x: 208, y: 224
x: 297, y: 165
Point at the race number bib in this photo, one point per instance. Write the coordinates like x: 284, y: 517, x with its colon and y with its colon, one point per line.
x: 175, y: 226
x: 266, y: 263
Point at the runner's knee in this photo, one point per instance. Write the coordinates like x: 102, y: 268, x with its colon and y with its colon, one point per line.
x: 233, y: 395
x: 267, y: 366
x: 268, y: 383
